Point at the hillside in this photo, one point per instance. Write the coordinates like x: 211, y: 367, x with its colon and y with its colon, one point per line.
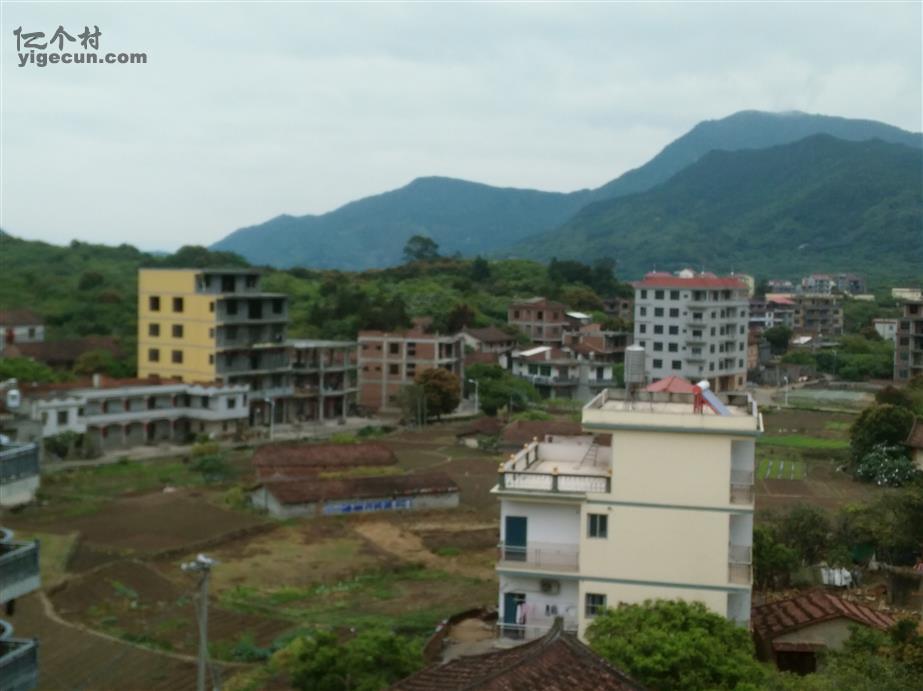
x: 471, y: 218
x: 465, y: 217
x: 818, y: 204
x: 748, y: 129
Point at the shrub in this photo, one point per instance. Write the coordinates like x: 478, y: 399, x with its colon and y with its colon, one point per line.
x: 886, y: 465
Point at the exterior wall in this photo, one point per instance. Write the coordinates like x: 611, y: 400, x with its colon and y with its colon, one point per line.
x: 831, y: 634
x: 263, y: 499
x: 197, y: 319
x: 694, y: 333
x: 540, y: 606
x: 548, y: 523
x: 886, y: 328
x: 25, y: 333
x: 542, y: 323
x: 390, y: 361
x: 49, y: 413
x: 908, y: 349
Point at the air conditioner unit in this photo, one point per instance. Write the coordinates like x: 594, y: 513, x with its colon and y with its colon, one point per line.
x: 549, y: 587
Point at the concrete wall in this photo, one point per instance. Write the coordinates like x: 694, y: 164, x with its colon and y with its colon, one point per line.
x: 21, y: 491
x: 566, y: 600
x: 831, y: 634
x: 551, y: 523
x: 263, y: 499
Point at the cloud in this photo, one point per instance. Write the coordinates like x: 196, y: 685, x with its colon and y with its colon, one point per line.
x: 245, y: 111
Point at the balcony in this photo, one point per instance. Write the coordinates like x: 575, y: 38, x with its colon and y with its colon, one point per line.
x: 536, y: 628
x: 18, y: 661
x: 570, y: 467
x: 742, y: 487
x: 19, y: 572
x: 740, y: 564
x: 18, y: 461
x: 547, y: 556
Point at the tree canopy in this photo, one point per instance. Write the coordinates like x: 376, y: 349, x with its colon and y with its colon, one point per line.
x: 420, y: 248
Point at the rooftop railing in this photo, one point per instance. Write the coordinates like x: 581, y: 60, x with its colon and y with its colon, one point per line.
x: 18, y: 461
x: 554, y: 482
x: 18, y: 661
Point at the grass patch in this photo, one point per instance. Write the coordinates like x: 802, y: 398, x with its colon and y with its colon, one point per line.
x: 54, y: 551
x: 781, y: 469
x: 448, y: 551
x: 802, y: 441
x: 837, y: 426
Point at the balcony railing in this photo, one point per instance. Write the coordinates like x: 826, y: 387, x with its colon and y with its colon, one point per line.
x: 740, y: 564
x: 18, y: 661
x: 543, y: 555
x: 19, y: 570
x: 742, y: 487
x: 554, y: 482
x: 18, y: 461
x: 533, y: 630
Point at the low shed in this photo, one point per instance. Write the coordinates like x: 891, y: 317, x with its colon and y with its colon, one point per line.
x: 791, y: 632
x: 293, y: 498
x: 294, y: 461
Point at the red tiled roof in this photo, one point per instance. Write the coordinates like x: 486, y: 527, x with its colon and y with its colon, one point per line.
x: 522, y: 431
x: 20, y: 318
x: 303, y: 491
x: 490, y: 334
x: 665, y: 280
x: 544, y: 303
x: 915, y: 439
x: 477, y: 358
x: 774, y: 619
x: 555, y: 662
x: 66, y: 351
x: 671, y: 384
x: 277, y: 461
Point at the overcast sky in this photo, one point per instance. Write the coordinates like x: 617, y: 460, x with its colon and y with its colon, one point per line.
x: 247, y: 111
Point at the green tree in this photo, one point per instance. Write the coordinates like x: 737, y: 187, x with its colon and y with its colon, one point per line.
x: 879, y: 424
x: 891, y: 395
x: 675, y: 646
x: 372, y: 660
x: 480, y: 270
x: 442, y: 389
x: 97, y: 362
x: 807, y: 530
x: 773, y: 561
x: 26, y: 371
x: 420, y: 248
x: 779, y: 338
x: 497, y: 388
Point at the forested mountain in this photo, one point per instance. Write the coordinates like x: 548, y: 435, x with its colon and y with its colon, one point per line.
x: 821, y: 203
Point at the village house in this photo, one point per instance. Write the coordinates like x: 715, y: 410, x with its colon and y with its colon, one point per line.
x: 886, y: 328
x: 773, y: 310
x: 620, y: 308
x: 562, y: 373
x: 543, y: 321
x: 20, y: 326
x: 818, y: 314
x: 908, y: 350
x: 488, y: 340
x: 325, y: 380
x: 680, y: 464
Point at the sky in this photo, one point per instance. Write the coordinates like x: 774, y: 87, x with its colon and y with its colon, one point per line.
x: 245, y: 111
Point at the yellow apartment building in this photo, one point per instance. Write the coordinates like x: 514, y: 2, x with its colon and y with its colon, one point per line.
x: 665, y: 511
x: 206, y: 325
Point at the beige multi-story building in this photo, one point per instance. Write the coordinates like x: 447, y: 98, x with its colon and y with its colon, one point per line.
x: 908, y: 349
x: 206, y: 325
x: 820, y: 315
x: 664, y: 511
x: 543, y: 321
x: 389, y: 361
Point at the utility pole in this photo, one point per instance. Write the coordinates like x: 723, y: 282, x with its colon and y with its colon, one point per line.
x: 272, y: 414
x: 477, y: 395
x: 202, y: 565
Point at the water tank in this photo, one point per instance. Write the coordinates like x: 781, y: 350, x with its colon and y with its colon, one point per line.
x: 13, y: 399
x: 634, y: 365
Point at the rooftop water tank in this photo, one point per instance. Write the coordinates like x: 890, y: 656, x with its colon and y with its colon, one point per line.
x: 13, y: 399
x: 635, y: 365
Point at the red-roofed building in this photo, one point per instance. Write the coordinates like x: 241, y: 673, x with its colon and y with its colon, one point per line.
x: 693, y: 325
x: 671, y: 384
x: 555, y: 662
x: 791, y: 632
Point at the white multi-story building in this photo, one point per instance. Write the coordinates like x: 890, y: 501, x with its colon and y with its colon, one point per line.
x: 693, y: 326
x: 665, y: 512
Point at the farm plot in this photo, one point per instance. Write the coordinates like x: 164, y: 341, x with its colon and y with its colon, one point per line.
x: 781, y: 469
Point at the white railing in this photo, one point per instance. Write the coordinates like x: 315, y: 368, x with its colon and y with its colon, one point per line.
x: 545, y: 555
x: 532, y: 630
x: 554, y: 482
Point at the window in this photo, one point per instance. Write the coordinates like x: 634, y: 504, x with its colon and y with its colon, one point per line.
x: 231, y: 306
x: 658, y: 364
x: 674, y: 330
x: 153, y: 303
x: 177, y: 331
x: 644, y: 295
x: 394, y: 369
x: 177, y: 304
x: 177, y: 357
x: 658, y: 328
x: 232, y: 402
x: 597, y: 525
x: 658, y: 311
x: 394, y: 348
x: 594, y: 604
x: 658, y: 346
x: 277, y: 306
x: 674, y: 295
x: 411, y: 349
x: 673, y: 347
x: 658, y: 295
x: 153, y: 329
x: 642, y: 328
x: 62, y: 417
x: 674, y: 311
x: 250, y: 281
x: 676, y: 364
x: 211, y: 306
x: 211, y: 333
x: 642, y: 311
x: 211, y: 359
x: 153, y: 355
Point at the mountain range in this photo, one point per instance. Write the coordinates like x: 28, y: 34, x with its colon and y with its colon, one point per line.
x: 618, y: 220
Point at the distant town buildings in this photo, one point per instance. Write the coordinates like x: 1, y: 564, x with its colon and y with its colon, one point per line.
x: 543, y: 321
x: 489, y: 340
x: 908, y: 351
x: 694, y: 326
x: 679, y: 464
x: 770, y: 311
x: 886, y: 328
x: 619, y: 308
x: 824, y: 284
x: 20, y: 326
x: 389, y: 361
x: 562, y: 373
x: 63, y: 354
x: 325, y: 380
x: 907, y: 294
x: 818, y: 314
